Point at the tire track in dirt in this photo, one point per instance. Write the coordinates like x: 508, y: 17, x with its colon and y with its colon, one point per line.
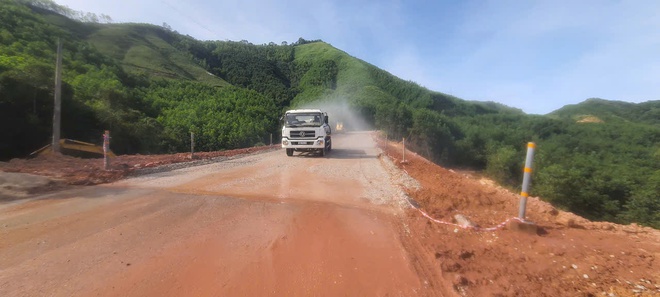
x: 95, y: 244
x: 260, y: 225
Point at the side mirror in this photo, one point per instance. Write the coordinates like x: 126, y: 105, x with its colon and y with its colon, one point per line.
x: 325, y: 118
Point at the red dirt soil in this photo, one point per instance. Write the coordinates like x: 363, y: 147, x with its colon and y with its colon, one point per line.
x: 78, y: 171
x: 569, y: 256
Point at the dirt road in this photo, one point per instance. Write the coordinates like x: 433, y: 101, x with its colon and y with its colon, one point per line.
x: 265, y: 224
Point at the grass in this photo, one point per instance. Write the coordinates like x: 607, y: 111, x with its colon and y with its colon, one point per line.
x: 142, y: 49
x: 352, y: 71
x: 353, y: 78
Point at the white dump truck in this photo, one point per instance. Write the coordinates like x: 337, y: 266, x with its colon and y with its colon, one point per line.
x: 306, y: 130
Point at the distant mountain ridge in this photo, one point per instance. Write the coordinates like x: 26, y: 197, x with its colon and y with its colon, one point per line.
x: 646, y: 112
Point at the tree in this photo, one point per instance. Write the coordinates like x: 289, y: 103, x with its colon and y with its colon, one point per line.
x: 505, y: 165
x: 644, y: 205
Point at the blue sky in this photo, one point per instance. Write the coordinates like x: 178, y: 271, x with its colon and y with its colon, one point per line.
x: 534, y: 55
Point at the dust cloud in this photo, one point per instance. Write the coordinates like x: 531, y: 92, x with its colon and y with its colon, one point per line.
x: 340, y: 112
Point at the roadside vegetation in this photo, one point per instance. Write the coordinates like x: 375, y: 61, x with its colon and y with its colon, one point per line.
x: 152, y: 86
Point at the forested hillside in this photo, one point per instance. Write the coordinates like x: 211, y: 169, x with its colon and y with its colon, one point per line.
x: 611, y: 111
x: 151, y: 86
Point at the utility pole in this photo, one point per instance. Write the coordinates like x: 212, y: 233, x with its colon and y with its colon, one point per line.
x: 57, y: 113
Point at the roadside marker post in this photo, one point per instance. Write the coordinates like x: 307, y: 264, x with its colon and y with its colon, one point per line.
x: 526, y: 179
x: 192, y: 145
x: 106, y: 148
x: 521, y: 224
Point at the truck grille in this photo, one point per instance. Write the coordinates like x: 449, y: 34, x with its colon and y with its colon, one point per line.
x: 303, y: 134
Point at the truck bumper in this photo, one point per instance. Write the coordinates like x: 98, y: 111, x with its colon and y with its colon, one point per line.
x: 303, y: 144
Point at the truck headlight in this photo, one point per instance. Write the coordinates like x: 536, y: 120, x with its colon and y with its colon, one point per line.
x: 285, y: 142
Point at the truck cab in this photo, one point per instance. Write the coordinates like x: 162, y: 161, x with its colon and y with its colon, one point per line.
x: 306, y: 130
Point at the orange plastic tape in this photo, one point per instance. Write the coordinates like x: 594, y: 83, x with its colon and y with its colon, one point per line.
x: 524, y: 194
x: 531, y: 145
x: 528, y: 170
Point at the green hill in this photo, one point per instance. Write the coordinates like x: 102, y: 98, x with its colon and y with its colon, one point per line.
x: 336, y: 75
x: 149, y: 50
x: 151, y: 87
x: 608, y: 111
x: 139, y: 48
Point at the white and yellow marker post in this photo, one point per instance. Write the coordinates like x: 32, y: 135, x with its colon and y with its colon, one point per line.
x: 526, y: 179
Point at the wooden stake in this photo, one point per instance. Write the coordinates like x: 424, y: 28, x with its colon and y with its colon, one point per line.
x: 106, y: 149
x: 192, y: 145
x: 404, y: 151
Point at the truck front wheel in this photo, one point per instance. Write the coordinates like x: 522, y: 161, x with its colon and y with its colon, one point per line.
x: 322, y: 151
x: 289, y: 152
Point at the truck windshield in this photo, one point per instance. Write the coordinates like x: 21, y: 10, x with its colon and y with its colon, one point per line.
x: 303, y: 120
